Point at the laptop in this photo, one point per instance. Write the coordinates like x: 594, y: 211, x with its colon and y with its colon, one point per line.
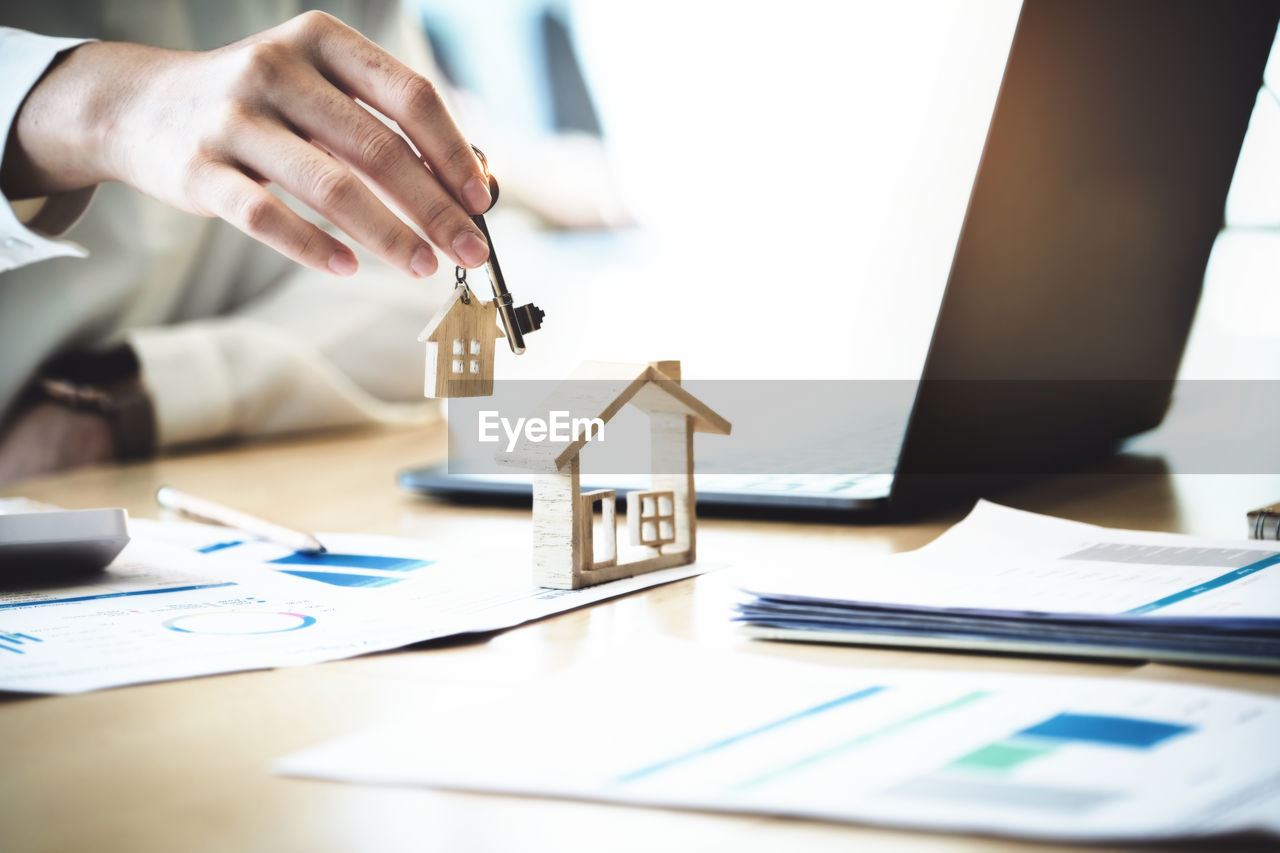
x: 1098, y: 197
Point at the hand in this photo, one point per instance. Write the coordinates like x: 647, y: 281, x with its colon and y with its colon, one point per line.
x: 204, y: 132
x: 48, y: 437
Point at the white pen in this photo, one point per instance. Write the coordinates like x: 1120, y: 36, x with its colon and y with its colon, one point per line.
x: 171, y: 498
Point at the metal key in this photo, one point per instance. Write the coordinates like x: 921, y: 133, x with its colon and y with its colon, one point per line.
x: 516, y: 321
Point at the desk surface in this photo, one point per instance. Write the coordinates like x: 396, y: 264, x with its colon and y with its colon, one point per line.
x: 184, y: 765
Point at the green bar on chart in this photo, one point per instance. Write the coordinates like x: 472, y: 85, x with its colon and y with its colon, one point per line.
x: 1001, y: 756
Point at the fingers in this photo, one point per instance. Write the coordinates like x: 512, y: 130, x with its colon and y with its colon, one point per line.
x: 233, y: 196
x: 286, y: 111
x: 375, y: 151
x: 361, y: 68
x: 331, y: 189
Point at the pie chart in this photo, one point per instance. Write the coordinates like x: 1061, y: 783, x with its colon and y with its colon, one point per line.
x: 239, y: 622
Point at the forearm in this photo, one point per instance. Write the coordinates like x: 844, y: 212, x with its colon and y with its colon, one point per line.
x: 31, y: 234
x: 203, y: 132
x: 57, y: 141
x: 242, y: 378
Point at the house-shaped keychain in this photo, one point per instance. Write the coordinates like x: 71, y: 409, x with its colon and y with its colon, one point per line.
x: 460, y: 338
x: 460, y: 346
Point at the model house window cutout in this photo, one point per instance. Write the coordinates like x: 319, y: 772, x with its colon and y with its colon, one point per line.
x: 476, y: 350
x: 651, y: 518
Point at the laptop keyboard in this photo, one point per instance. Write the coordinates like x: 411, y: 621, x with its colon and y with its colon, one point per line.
x: 856, y: 486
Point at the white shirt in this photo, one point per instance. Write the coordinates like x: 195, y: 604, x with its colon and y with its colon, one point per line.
x: 234, y: 339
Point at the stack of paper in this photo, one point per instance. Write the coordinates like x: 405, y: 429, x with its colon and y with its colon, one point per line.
x: 1007, y: 580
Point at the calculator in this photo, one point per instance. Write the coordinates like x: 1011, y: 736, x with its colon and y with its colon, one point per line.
x: 36, y: 546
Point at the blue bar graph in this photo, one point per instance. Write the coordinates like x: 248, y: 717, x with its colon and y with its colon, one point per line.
x: 1106, y: 730
x: 355, y: 561
x: 342, y: 579
x: 218, y: 546
x: 10, y: 642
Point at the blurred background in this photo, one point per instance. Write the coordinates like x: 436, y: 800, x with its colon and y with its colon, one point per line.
x: 760, y: 190
x: 781, y: 186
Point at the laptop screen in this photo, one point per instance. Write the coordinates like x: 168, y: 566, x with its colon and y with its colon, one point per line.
x: 1100, y: 194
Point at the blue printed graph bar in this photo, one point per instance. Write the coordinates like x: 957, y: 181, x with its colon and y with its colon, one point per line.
x: 1220, y: 580
x: 218, y: 546
x: 41, y: 602
x: 343, y: 579
x: 376, y: 562
x: 742, y: 736
x: 890, y: 728
x: 10, y: 641
x: 1106, y: 730
x: 354, y: 561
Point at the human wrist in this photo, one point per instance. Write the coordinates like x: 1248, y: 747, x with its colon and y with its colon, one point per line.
x: 112, y: 116
x: 61, y: 138
x: 105, y: 383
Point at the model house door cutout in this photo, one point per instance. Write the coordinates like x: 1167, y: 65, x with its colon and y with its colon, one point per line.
x: 604, y: 554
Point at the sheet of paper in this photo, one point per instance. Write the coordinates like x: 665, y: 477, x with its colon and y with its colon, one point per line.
x: 1001, y: 559
x: 185, y: 600
x: 1052, y: 758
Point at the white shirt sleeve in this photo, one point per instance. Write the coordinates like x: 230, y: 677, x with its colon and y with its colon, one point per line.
x: 310, y: 352
x: 24, y: 57
x: 234, y: 340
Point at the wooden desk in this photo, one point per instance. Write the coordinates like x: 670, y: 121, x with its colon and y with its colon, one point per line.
x: 185, y: 765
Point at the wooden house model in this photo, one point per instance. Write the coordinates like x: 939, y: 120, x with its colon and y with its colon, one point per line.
x: 661, y: 520
x: 460, y: 347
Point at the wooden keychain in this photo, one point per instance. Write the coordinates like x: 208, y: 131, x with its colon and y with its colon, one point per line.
x: 460, y: 337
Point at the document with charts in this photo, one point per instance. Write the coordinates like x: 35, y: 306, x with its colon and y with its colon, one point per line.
x: 1008, y: 580
x: 191, y: 599
x: 1040, y: 757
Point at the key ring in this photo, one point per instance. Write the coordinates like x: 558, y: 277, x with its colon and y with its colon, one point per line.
x: 460, y: 280
x: 493, y: 182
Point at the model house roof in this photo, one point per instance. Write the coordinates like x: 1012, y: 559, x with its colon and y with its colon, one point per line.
x: 600, y: 389
x: 487, y: 313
